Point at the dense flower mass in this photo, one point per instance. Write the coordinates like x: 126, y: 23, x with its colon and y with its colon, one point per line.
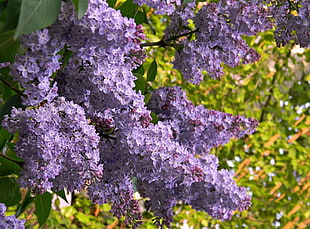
x: 87, y: 127
x: 292, y: 20
x: 57, y: 144
x: 9, y: 222
x: 34, y: 69
x: 197, y: 128
x: 218, y: 38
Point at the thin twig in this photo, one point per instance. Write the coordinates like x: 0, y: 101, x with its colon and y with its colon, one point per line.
x: 165, y: 42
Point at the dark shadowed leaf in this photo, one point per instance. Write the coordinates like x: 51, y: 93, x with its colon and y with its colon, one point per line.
x: 8, y: 167
x: 36, y: 14
x: 62, y: 194
x: 26, y: 202
x: 13, y: 10
x: 43, y: 204
x: 81, y: 7
x: 152, y: 71
x: 8, y: 46
x: 140, y: 83
x: 129, y: 9
x: 9, y: 191
x: 111, y: 2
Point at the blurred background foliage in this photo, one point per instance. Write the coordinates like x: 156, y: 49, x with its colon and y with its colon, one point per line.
x: 273, y: 163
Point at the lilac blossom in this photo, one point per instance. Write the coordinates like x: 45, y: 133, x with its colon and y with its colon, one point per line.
x: 179, y: 20
x: 218, y: 38
x: 166, y: 169
x: 34, y: 69
x: 9, y: 222
x: 197, y: 128
x: 57, y: 144
x: 292, y: 22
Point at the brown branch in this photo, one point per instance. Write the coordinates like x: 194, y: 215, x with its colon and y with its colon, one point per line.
x: 166, y: 42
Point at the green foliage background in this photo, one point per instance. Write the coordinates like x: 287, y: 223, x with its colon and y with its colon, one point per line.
x: 273, y: 163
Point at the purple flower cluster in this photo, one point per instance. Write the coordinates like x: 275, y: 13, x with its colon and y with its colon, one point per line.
x: 161, y: 6
x: 179, y: 20
x: 9, y: 222
x: 120, y: 194
x: 34, y: 69
x: 168, y: 167
x: 197, y: 128
x: 90, y: 128
x: 219, y: 27
x: 169, y: 171
x: 292, y: 19
x: 58, y: 145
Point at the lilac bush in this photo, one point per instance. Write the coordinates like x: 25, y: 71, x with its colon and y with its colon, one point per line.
x: 86, y: 127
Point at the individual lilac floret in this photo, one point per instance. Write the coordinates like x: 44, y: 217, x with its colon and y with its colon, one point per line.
x: 9, y: 222
x: 197, y: 128
x: 57, y: 144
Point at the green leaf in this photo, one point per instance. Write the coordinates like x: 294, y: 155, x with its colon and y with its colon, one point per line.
x: 140, y: 17
x: 81, y: 7
x: 140, y: 83
x: 139, y: 70
x: 26, y: 202
x: 8, y: 167
x: 62, y: 194
x: 43, y: 204
x: 36, y: 14
x: 13, y: 10
x: 83, y: 218
x: 147, y: 215
x: 154, y: 118
x: 129, y: 9
x: 111, y: 3
x: 9, y: 191
x: 4, y: 137
x: 68, y: 211
x: 8, y: 46
x: 147, y: 97
x: 152, y: 71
